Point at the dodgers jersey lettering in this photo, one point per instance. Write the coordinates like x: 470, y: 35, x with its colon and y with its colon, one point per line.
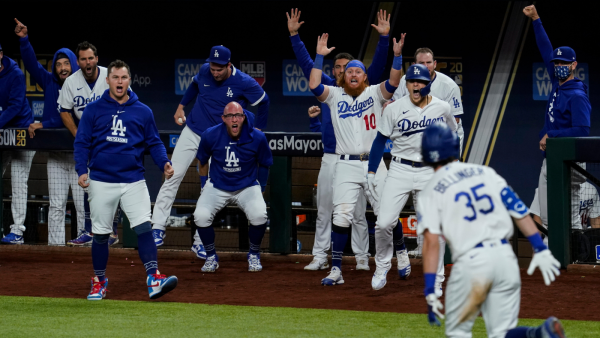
x: 465, y: 203
x: 76, y: 93
x: 355, y: 120
x: 442, y: 87
x: 404, y: 123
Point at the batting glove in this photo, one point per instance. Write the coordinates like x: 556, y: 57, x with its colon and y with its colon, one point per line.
x: 434, y: 308
x: 547, y: 264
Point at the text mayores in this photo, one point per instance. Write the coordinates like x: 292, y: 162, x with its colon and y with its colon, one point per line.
x: 290, y: 143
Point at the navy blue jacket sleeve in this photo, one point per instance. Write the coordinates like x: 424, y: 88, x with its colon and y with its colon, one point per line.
x: 204, y: 150
x: 315, y: 124
x: 15, y: 100
x: 262, y: 113
x: 305, y: 62
x: 263, y: 177
x: 377, y: 67
x: 544, y: 45
x: 83, y: 142
x: 570, y: 132
x: 265, y: 160
x: 190, y: 93
x: 154, y: 144
x: 37, y: 71
x: 55, y: 122
x: 376, y: 153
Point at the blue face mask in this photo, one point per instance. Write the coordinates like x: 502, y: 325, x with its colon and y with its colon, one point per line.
x: 562, y: 72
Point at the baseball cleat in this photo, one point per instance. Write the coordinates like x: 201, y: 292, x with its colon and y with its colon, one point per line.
x: 98, y: 291
x: 84, y: 239
x: 113, y: 239
x: 334, y: 277
x: 438, y: 290
x: 254, y: 263
x: 363, y: 264
x: 317, y: 264
x: 403, y: 264
x: 159, y: 285
x: 379, y: 279
x: 159, y: 236
x: 12, y: 239
x: 552, y: 328
x: 211, y: 264
x: 415, y: 253
x: 198, y: 249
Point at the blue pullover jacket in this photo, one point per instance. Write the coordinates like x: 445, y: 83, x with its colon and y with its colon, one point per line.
x: 49, y: 81
x: 14, y: 108
x: 112, y: 137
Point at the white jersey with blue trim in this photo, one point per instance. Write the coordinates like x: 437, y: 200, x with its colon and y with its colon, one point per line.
x: 442, y: 87
x: 467, y: 204
x: 355, y: 119
x: 404, y: 123
x: 76, y: 93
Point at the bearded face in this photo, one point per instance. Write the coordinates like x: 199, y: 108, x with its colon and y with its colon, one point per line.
x: 354, y: 81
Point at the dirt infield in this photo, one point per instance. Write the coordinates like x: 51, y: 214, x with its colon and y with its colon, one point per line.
x: 62, y: 272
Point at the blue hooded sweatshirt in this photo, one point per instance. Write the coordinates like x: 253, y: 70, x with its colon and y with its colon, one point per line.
x: 49, y: 81
x: 112, y: 138
x: 14, y: 108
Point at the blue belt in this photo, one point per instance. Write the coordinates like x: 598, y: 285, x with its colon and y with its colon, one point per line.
x: 409, y: 162
x: 361, y: 157
x: 503, y: 241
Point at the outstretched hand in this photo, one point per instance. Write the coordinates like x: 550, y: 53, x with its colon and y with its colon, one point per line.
x: 547, y: 264
x: 293, y: 24
x: 322, y: 45
x: 399, y: 45
x: 531, y: 12
x: 434, y: 309
x: 383, y: 23
x: 21, y: 29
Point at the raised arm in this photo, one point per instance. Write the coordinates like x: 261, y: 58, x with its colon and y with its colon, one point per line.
x: 320, y: 91
x: 315, y: 124
x: 389, y: 87
x: 379, y: 59
x: 37, y: 71
x: 543, y: 42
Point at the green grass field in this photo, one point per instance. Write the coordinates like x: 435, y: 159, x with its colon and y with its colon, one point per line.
x: 50, y: 317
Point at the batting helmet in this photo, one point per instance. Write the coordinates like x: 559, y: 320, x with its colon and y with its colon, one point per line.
x: 439, y: 143
x: 418, y: 72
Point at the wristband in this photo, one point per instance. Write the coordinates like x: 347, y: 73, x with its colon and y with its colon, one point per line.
x: 397, y: 64
x: 429, y: 283
x: 389, y: 87
x: 319, y: 90
x: 537, y: 243
x: 203, y: 180
x: 319, y: 62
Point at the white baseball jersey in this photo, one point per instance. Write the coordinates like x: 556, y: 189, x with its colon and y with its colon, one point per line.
x: 355, y: 120
x: 585, y: 204
x: 404, y: 123
x: 465, y: 203
x: 76, y: 93
x: 442, y: 87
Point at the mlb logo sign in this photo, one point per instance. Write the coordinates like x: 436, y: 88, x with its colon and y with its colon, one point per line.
x: 256, y: 69
x: 38, y: 108
x: 173, y: 140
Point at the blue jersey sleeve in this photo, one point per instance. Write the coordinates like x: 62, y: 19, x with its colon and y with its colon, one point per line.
x: 37, y: 71
x: 204, y: 150
x: 544, y: 45
x: 15, y: 100
x: 377, y: 150
x: 315, y: 125
x: 255, y: 95
x: 516, y: 208
x: 265, y: 157
x: 305, y: 62
x: 377, y: 67
x: 154, y: 144
x: 83, y: 142
x: 191, y: 93
x: 55, y: 122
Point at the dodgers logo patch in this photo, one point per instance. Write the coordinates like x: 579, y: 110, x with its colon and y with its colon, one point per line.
x: 355, y: 109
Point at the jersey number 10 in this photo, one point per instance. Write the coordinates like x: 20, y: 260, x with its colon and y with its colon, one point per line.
x: 370, y: 121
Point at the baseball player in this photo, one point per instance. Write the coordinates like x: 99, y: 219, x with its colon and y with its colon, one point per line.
x: 355, y: 111
x: 217, y: 83
x: 403, y: 122
x: 15, y: 113
x: 241, y: 158
x: 81, y: 88
x: 585, y: 209
x: 568, y: 109
x: 360, y: 238
x: 471, y: 206
x: 60, y: 167
x: 113, y: 134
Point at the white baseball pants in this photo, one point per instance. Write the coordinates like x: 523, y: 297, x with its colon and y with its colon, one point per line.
x: 61, y: 175
x: 212, y: 200
x: 104, y: 198
x: 487, y: 276
x: 360, y: 236
x: 19, y: 171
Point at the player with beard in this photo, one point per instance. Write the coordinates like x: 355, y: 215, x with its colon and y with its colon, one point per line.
x: 355, y: 109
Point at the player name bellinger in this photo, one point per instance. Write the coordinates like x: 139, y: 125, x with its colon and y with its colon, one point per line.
x: 449, y: 180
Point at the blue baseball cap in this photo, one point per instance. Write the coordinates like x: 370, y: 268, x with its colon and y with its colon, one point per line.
x: 564, y: 54
x: 220, y: 55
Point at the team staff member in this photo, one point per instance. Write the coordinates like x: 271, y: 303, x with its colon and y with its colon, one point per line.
x: 60, y: 167
x: 568, y: 109
x: 360, y: 238
x: 240, y: 160
x: 113, y: 134
x: 471, y: 205
x: 217, y: 83
x: 83, y: 87
x: 15, y: 113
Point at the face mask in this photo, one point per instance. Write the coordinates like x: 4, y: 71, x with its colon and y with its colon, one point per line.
x: 562, y: 72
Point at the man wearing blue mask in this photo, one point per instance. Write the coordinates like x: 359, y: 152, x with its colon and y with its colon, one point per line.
x: 568, y: 109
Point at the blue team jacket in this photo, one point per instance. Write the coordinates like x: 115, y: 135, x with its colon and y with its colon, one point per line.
x: 49, y: 81
x: 112, y: 137
x: 14, y: 108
